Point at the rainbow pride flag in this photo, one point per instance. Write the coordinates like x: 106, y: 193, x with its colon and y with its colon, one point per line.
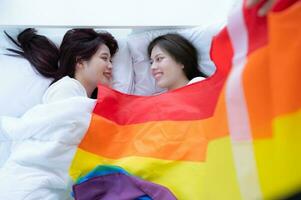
x: 235, y: 135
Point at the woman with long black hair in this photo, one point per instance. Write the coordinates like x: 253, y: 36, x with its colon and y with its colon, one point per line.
x: 81, y: 63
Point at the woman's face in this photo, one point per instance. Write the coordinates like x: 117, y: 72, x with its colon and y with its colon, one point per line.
x: 98, y: 70
x: 167, y: 72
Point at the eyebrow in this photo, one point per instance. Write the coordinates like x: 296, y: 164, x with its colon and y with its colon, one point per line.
x: 158, y: 54
x: 105, y: 54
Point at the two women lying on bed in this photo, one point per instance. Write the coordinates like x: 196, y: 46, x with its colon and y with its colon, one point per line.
x: 84, y: 60
x: 48, y: 134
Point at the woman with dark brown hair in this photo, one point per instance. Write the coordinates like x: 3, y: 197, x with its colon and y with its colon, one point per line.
x: 174, y: 61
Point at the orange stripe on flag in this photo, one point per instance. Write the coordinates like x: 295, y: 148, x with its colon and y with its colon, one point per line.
x: 285, y: 62
x: 170, y: 140
x: 273, y: 89
x: 257, y: 93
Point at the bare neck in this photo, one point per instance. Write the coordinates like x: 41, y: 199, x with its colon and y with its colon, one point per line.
x: 178, y: 84
x: 88, y: 87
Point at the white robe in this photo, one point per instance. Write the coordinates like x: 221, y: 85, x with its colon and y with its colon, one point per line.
x: 44, y: 141
x: 196, y: 79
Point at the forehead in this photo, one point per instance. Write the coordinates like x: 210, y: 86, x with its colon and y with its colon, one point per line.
x: 157, y: 50
x: 103, y: 49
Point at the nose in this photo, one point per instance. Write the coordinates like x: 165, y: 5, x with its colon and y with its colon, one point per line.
x: 110, y: 66
x: 154, y: 66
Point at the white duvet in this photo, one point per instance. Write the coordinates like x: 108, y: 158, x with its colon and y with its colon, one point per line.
x: 42, y: 144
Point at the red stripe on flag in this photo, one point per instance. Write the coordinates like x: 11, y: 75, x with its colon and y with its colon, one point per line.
x: 221, y: 51
x: 192, y: 102
x: 256, y: 28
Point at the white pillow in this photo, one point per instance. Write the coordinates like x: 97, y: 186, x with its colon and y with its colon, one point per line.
x: 123, y: 73
x: 20, y: 86
x: 138, y: 43
x: 4, y: 42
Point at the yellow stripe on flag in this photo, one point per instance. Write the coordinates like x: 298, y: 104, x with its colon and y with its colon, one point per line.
x: 214, y: 178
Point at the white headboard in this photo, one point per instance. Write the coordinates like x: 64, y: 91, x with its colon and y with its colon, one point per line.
x: 113, y: 13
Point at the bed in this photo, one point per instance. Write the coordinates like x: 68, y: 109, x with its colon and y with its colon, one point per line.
x: 250, y: 138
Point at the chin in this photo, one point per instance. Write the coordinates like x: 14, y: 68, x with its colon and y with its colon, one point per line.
x: 161, y: 85
x: 106, y: 82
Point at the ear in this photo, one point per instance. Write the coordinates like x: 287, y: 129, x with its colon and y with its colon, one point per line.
x: 180, y: 65
x: 79, y: 63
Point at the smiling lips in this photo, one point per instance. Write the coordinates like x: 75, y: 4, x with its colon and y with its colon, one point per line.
x: 108, y: 75
x: 157, y: 75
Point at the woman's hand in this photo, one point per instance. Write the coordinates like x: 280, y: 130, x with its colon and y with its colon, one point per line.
x: 265, y: 8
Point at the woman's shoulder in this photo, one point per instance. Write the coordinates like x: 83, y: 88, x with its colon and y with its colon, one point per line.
x: 66, y: 82
x: 196, y: 79
x: 64, y: 88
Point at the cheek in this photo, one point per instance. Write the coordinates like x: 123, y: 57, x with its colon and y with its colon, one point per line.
x: 94, y: 72
x: 171, y: 74
x: 169, y: 64
x: 98, y: 68
x: 169, y: 70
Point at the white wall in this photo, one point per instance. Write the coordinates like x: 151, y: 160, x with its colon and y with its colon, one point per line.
x: 113, y: 13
